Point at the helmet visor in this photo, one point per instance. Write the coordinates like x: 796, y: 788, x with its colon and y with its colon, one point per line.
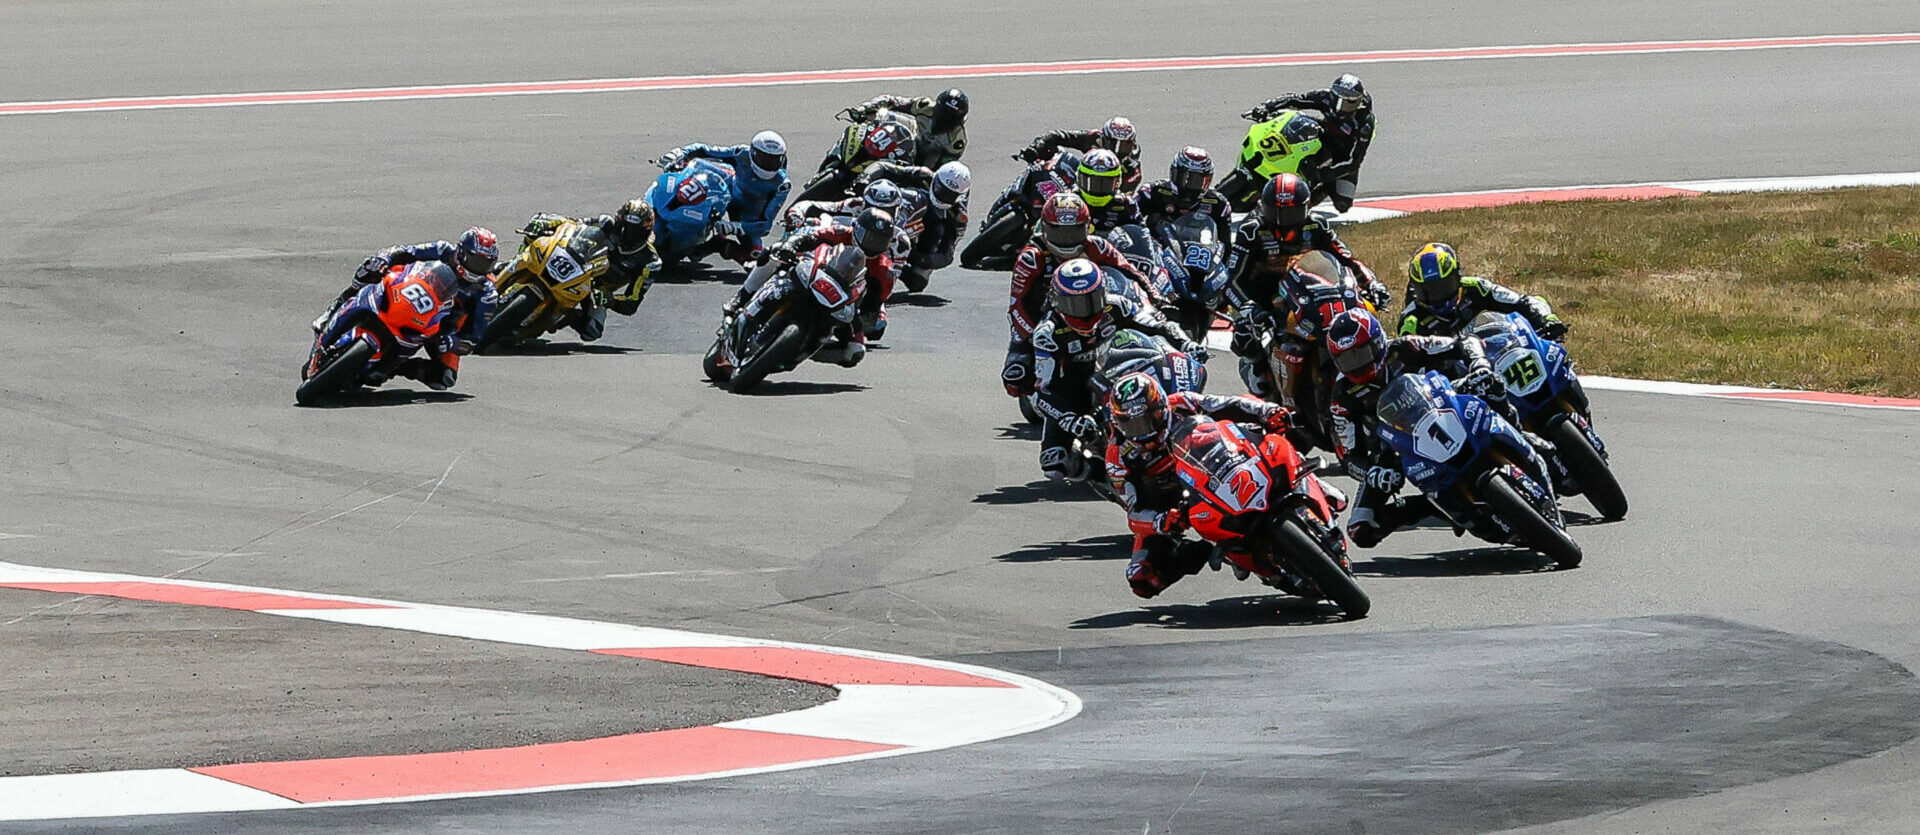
x: 1068, y: 238
x: 1142, y: 428
x: 1081, y: 307
x: 871, y: 241
x: 767, y: 164
x: 1190, y: 180
x: 1099, y: 185
x: 1437, y: 289
x: 1347, y: 105
x: 476, y: 263
x: 1357, y: 359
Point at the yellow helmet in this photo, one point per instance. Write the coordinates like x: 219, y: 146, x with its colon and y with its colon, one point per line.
x: 1433, y: 276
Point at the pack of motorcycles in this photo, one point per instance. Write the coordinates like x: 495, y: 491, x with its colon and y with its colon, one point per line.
x: 1253, y: 495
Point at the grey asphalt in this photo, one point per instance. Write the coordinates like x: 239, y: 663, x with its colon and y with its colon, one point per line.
x: 160, y: 267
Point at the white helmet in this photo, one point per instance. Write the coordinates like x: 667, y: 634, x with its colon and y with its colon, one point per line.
x: 882, y: 195
x: 768, y: 153
x: 950, y: 184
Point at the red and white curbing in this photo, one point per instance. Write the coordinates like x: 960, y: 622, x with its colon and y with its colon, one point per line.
x: 1383, y: 208
x: 887, y: 705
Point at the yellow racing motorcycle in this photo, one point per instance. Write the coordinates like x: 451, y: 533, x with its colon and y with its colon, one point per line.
x: 1284, y: 144
x: 559, y: 267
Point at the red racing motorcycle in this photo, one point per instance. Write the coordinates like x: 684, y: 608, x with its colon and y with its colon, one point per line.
x: 1250, y: 494
x: 367, y: 336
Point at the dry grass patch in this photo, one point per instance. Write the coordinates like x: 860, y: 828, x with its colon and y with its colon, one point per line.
x: 1812, y: 290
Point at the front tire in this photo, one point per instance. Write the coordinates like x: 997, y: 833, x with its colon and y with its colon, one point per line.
x: 1333, y: 581
x: 335, y: 376
x: 508, y: 321
x: 915, y: 279
x: 1596, y: 479
x: 1520, y: 514
x: 994, y: 247
x: 716, y: 370
x: 783, y: 348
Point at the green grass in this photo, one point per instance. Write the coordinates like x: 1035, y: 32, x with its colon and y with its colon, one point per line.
x: 1811, y: 290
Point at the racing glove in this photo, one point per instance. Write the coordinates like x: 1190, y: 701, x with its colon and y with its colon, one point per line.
x: 1554, y: 329
x: 1387, y: 480
x: 1080, y: 426
x: 1257, y: 113
x: 727, y: 228
x: 371, y: 269
x: 1482, y: 381
x: 1280, y: 421
x: 671, y: 159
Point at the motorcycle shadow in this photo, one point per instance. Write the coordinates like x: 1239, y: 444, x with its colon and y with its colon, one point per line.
x: 1044, y: 490
x: 921, y: 299
x: 685, y: 272
x: 1112, y: 547
x: 1482, y: 561
x: 1020, y: 432
x: 1575, y: 518
x: 389, y: 397
x: 1224, y: 613
x: 782, y: 388
x: 543, y: 348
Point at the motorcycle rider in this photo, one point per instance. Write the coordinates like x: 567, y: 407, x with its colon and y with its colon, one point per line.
x: 1117, y: 135
x: 872, y: 231
x: 1441, y: 300
x: 1346, y: 131
x: 1097, y: 179
x: 941, y: 136
x: 946, y: 217
x: 472, y: 258
x: 1188, y: 188
x: 1367, y: 360
x: 1066, y: 352
x: 1048, y: 177
x: 1062, y: 235
x: 1267, y: 290
x: 630, y: 266
x: 1140, y: 467
x: 760, y: 187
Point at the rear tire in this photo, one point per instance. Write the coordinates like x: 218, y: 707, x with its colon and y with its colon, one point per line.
x: 915, y: 279
x: 336, y: 376
x: 1518, y: 513
x: 1596, y: 479
x: 1027, y: 412
x: 782, y: 349
x: 993, y: 248
x: 1241, y: 188
x: 1333, y: 581
x: 508, y: 321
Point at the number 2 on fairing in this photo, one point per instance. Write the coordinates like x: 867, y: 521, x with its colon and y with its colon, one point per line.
x: 417, y: 295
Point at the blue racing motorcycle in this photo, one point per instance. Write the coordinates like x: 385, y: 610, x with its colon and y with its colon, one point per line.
x: 1477, y: 469
x: 688, y: 199
x: 1546, y: 395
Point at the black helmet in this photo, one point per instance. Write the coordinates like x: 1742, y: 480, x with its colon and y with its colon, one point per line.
x: 1066, y: 165
x: 949, y: 109
x: 1350, y: 96
x: 873, y: 231
x: 632, y: 226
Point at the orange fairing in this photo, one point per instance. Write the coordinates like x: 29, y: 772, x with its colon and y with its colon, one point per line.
x: 415, y: 300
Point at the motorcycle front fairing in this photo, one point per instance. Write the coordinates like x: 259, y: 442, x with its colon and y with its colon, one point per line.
x: 679, y: 225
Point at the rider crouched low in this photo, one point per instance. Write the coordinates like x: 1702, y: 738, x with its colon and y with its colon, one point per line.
x: 630, y: 265
x: 1140, y: 466
x: 472, y: 258
x: 872, y: 231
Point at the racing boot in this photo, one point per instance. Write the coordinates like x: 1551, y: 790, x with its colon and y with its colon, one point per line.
x: 431, y: 373
x: 590, y: 322
x: 846, y: 353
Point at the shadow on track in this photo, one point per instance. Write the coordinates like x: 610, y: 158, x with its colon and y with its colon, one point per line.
x: 918, y: 300
x: 543, y: 348
x: 1113, y: 547
x: 684, y: 272
x: 389, y: 397
x: 1044, y: 490
x: 783, y: 388
x: 1225, y: 613
x: 1020, y: 432
x: 1462, y: 562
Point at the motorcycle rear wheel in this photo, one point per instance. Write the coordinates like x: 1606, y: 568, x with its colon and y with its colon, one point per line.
x: 995, y: 247
x: 1304, y: 553
x: 336, y: 376
x: 508, y: 320
x: 782, y: 349
x: 1519, y: 514
x: 829, y: 184
x: 1596, y: 479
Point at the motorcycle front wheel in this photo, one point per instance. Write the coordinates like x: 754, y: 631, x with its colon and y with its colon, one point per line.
x: 782, y: 349
x: 1333, y: 581
x: 336, y: 376
x: 1538, y: 533
x: 1596, y: 479
x: 995, y: 247
x: 507, y: 321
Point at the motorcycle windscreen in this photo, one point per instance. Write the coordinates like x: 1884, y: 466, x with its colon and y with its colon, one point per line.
x: 1404, y: 402
x: 1235, y: 478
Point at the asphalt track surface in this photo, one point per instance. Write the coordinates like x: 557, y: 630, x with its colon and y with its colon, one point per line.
x: 160, y: 267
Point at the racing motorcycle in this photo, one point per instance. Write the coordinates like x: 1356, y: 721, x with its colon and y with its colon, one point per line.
x: 887, y: 136
x: 1284, y: 144
x: 368, y: 335
x: 1252, y: 496
x: 793, y: 316
x: 909, y: 223
x: 1004, y: 229
x: 1331, y: 288
x: 688, y: 198
x: 1123, y: 353
x: 1479, y: 471
x: 542, y: 289
x: 1186, y: 261
x: 1546, y: 395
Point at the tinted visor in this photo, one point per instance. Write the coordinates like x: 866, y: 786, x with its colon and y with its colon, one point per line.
x: 1064, y: 238
x: 1436, y: 290
x: 870, y: 241
x: 476, y: 263
x: 1141, y: 428
x: 1122, y: 148
x: 1099, y: 185
x: 768, y: 162
x: 1360, y: 358
x: 1189, y: 180
x: 1345, y: 105
x: 1082, y: 307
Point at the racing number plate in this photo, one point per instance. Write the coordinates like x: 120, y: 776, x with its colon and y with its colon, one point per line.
x: 561, y: 268
x: 1199, y: 258
x: 828, y: 292
x: 1242, y: 488
x: 1521, y: 370
x: 1438, y: 436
